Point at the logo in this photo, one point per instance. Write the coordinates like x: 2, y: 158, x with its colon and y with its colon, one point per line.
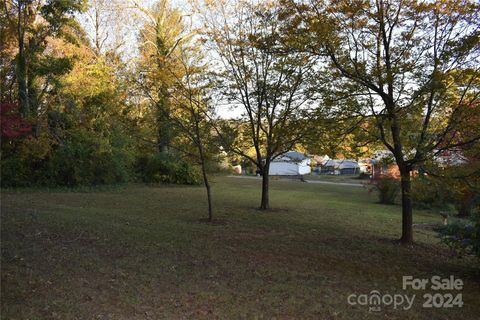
x: 374, y: 300
x: 446, y: 295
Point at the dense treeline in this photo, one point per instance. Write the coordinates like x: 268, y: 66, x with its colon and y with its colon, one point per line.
x: 67, y: 118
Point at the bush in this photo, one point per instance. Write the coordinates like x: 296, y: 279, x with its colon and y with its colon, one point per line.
x: 82, y: 158
x: 428, y: 193
x: 463, y: 237
x: 24, y: 161
x: 87, y: 160
x: 184, y: 173
x: 15, y: 173
x: 386, y: 187
x: 164, y: 168
x: 93, y: 160
x: 438, y: 193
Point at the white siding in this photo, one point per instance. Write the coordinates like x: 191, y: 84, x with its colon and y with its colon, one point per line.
x: 282, y: 168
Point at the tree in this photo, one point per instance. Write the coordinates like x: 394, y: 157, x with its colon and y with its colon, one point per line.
x: 105, y: 22
x: 339, y: 138
x: 8, y: 45
x: 457, y: 173
x: 172, y: 77
x: 35, y: 22
x: 192, y: 114
x: 160, y: 37
x: 260, y: 76
x: 407, y: 66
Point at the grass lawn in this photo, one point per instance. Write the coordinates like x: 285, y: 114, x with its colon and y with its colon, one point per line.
x: 347, y: 178
x: 139, y: 252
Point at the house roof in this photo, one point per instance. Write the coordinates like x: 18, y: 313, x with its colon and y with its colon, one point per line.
x: 341, y: 164
x: 291, y: 156
x: 294, y: 155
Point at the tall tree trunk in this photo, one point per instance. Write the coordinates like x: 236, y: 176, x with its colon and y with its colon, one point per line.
x: 22, y: 84
x: 163, y: 121
x: 265, y: 204
x: 407, y: 216
x: 33, y: 103
x: 22, y: 65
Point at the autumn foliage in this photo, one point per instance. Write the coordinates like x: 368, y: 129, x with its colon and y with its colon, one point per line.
x: 11, y: 122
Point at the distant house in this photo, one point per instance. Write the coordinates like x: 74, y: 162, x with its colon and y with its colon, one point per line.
x: 382, y: 154
x: 319, y: 160
x: 291, y: 163
x: 341, y: 167
x: 366, y: 165
x: 316, y: 162
x: 447, y: 158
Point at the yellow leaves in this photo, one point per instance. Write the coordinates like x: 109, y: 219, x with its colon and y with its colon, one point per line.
x: 87, y: 80
x: 36, y: 148
x: 210, y: 3
x: 89, y: 76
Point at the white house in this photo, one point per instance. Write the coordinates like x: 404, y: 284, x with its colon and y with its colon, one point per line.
x: 291, y: 163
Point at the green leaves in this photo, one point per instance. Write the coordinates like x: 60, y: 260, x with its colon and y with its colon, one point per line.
x: 58, y: 12
x: 53, y: 66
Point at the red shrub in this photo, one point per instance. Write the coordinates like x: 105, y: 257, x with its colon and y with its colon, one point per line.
x: 11, y: 122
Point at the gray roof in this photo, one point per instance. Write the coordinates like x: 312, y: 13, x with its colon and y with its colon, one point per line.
x: 341, y: 164
x: 294, y: 155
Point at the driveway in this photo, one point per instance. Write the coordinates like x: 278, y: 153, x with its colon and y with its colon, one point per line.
x: 307, y: 181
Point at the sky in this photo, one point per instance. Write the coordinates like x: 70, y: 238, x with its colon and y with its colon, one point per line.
x: 124, y: 29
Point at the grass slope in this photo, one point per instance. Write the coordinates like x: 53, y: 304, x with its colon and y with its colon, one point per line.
x: 139, y: 252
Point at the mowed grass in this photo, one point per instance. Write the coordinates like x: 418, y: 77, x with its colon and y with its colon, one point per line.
x: 140, y: 252
x: 345, y: 178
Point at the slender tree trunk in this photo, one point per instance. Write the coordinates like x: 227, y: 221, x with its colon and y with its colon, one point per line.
x: 209, y: 192
x: 407, y: 216
x: 265, y: 204
x: 201, y: 153
x: 97, y: 28
x: 209, y: 199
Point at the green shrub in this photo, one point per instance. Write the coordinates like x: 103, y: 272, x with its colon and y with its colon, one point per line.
x: 428, y: 193
x: 87, y: 159
x: 440, y: 193
x: 166, y: 168
x: 15, y: 173
x: 82, y: 158
x: 387, y: 188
